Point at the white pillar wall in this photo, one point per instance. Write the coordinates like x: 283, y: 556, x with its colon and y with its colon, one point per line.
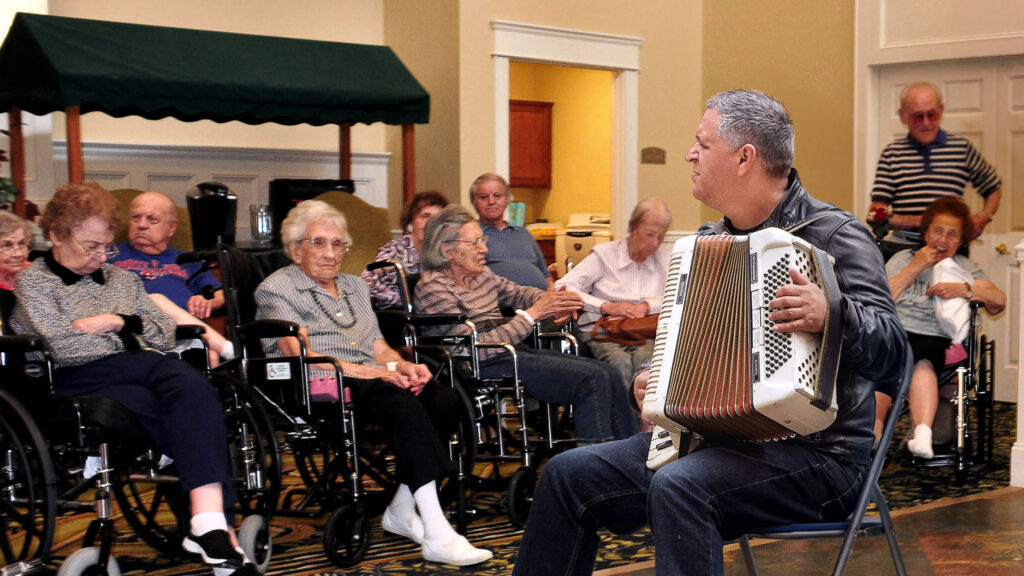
x: 1017, y: 452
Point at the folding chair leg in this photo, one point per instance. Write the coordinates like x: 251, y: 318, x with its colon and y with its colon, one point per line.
x: 748, y: 555
x: 890, y: 531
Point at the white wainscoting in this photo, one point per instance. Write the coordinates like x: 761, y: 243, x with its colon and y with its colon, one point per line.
x: 246, y: 171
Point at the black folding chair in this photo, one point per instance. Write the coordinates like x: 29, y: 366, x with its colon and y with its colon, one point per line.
x: 859, y: 523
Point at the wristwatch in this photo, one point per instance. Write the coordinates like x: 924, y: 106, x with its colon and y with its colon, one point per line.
x: 970, y: 294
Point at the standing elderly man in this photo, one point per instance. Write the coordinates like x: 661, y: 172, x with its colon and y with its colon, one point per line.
x: 742, y: 167
x: 152, y: 221
x: 624, y: 278
x: 513, y: 252
x: 929, y: 163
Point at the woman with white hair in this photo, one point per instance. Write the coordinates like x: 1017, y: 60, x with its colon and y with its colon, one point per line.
x: 456, y: 280
x: 337, y: 320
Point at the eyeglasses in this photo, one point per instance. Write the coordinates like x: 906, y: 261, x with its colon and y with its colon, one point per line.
x: 94, y: 249
x: 937, y: 233
x: 919, y: 117
x: 9, y: 248
x: 481, y: 241
x: 320, y: 243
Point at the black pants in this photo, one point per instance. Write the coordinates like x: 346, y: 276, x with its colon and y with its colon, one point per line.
x: 418, y: 427
x: 180, y: 411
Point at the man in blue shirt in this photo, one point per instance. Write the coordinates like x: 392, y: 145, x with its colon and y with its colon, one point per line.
x: 512, y: 251
x: 153, y: 220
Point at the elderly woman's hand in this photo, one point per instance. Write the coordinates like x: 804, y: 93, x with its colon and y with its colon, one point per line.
x: 100, y: 324
x: 552, y: 304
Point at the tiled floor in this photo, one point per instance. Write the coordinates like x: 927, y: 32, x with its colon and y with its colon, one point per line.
x: 981, y: 535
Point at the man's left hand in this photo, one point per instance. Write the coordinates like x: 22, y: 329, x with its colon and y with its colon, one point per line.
x: 800, y: 306
x: 201, y: 308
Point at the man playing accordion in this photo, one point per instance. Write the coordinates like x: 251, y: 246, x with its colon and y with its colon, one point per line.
x: 742, y: 167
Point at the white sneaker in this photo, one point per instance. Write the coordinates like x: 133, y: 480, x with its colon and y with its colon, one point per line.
x: 411, y: 528
x: 457, y: 552
x: 921, y: 444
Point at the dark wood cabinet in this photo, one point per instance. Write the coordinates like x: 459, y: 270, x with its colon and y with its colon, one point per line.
x: 529, y: 126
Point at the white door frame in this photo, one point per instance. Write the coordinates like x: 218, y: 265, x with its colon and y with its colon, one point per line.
x: 892, y: 32
x: 564, y: 47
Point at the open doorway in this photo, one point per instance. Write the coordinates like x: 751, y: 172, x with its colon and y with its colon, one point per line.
x: 581, y: 125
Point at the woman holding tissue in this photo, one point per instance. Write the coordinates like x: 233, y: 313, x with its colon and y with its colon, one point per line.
x: 928, y: 284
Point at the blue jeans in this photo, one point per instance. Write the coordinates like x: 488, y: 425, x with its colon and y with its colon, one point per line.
x: 594, y: 389
x: 693, y: 505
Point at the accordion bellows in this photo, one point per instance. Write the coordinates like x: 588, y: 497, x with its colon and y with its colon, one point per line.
x: 718, y: 367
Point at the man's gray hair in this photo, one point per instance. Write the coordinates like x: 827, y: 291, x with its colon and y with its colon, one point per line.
x: 442, y: 229
x: 650, y: 208
x: 295, y: 226
x: 488, y: 177
x: 755, y: 118
x: 919, y: 84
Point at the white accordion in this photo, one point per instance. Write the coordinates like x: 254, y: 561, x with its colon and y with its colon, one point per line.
x: 718, y: 367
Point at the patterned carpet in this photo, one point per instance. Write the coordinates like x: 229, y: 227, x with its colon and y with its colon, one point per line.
x: 297, y: 548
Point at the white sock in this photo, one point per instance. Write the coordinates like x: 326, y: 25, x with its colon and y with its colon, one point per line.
x: 227, y: 352
x: 206, y: 521
x: 921, y: 443
x: 402, y: 505
x: 435, y: 525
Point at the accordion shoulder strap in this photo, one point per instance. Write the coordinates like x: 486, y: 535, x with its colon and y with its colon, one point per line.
x: 831, y: 342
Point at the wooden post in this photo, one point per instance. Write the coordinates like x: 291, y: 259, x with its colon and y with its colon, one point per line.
x: 17, y: 140
x: 76, y: 164
x: 345, y: 150
x: 408, y: 161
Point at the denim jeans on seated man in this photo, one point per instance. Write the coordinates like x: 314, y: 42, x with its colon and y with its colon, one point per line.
x: 563, y: 538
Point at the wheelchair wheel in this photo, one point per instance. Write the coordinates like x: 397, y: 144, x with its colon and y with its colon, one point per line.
x: 463, y: 451
x: 255, y: 539
x: 346, y: 536
x: 85, y: 562
x: 28, y: 490
x: 254, y: 451
x: 151, y: 500
x: 520, y: 495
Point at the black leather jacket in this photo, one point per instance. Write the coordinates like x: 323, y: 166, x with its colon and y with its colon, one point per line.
x: 873, y: 339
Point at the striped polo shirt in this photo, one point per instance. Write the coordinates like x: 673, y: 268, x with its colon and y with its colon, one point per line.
x: 911, y: 176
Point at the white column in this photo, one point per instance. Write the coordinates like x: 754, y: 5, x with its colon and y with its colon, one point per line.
x: 1017, y: 452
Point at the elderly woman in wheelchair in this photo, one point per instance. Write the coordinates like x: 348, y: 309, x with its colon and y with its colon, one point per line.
x: 337, y: 320
x: 456, y: 280
x: 104, y: 334
x: 925, y: 282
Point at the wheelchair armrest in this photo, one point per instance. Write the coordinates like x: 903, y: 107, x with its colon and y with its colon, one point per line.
x: 436, y: 319
x: 188, y: 332
x: 384, y: 264
x: 21, y: 343
x: 570, y: 338
x: 269, y: 328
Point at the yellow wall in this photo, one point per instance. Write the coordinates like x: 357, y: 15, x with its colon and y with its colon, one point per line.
x: 670, y: 93
x: 427, y: 42
x: 581, y: 124
x: 801, y: 53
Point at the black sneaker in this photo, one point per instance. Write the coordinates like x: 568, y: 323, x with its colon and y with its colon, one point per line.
x: 216, y: 549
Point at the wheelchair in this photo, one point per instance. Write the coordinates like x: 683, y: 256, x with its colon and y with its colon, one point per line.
x: 509, y: 425
x: 336, y: 455
x: 963, y: 431
x: 93, y: 447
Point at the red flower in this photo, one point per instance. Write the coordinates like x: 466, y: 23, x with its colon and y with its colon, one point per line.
x: 879, y: 215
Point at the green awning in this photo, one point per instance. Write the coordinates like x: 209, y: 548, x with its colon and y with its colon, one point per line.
x: 48, y: 63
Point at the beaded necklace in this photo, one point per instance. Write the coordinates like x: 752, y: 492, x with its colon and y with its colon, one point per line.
x: 337, y: 317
